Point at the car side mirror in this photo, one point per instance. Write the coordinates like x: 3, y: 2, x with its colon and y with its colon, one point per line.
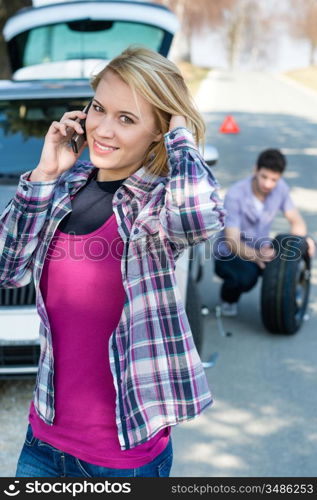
x: 210, y: 154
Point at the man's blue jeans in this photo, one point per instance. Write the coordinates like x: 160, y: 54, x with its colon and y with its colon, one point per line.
x: 239, y: 276
x: 40, y: 459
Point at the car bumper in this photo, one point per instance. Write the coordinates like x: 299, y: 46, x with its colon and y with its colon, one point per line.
x: 19, y: 342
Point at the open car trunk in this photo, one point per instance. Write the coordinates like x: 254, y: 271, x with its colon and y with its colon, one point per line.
x: 75, y: 39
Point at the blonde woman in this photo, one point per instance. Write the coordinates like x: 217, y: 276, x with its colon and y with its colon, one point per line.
x: 118, y: 366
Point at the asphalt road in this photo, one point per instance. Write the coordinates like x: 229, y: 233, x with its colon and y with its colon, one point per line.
x: 263, y: 420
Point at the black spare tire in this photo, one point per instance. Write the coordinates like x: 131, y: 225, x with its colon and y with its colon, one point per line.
x: 285, y: 285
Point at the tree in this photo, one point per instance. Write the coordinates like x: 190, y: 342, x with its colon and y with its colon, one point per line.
x: 248, y: 32
x: 303, y: 23
x: 194, y: 15
x: 243, y: 24
x: 7, y: 9
x: 235, y: 21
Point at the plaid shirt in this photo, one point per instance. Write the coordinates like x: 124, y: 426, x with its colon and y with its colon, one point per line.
x: 158, y: 375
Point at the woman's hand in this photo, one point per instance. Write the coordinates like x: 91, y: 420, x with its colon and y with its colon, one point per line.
x: 177, y: 121
x: 57, y: 155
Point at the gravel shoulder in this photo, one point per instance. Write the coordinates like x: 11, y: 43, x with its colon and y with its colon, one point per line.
x: 305, y: 76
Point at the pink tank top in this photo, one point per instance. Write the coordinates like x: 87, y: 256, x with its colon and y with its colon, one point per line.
x: 82, y: 288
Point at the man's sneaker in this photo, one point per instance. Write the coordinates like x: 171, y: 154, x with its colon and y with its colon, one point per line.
x: 229, y: 309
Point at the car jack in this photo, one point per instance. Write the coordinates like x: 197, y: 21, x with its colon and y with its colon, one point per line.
x: 211, y: 361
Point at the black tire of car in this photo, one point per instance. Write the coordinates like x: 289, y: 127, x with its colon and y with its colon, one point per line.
x: 285, y: 285
x: 193, y: 311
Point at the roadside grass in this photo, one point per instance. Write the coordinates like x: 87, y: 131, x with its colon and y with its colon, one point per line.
x: 193, y: 75
x: 305, y: 76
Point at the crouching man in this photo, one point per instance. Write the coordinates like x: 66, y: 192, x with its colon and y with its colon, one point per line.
x: 243, y: 248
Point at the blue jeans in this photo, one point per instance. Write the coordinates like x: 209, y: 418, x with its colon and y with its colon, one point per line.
x: 40, y: 459
x: 239, y: 276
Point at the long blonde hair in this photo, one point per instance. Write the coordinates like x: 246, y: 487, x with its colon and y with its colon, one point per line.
x: 161, y: 83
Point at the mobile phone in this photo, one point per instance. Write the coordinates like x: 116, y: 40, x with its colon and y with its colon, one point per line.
x: 77, y: 140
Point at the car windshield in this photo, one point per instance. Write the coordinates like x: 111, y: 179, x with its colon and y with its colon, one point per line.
x: 23, y: 125
x: 84, y: 39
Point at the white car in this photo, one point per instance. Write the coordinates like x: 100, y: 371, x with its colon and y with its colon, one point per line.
x: 53, y: 50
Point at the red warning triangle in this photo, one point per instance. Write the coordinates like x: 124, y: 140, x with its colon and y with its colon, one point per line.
x: 229, y: 126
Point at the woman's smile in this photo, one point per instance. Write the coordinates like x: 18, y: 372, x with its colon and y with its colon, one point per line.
x: 102, y: 149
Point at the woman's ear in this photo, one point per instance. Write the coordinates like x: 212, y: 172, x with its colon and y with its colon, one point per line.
x: 158, y: 137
